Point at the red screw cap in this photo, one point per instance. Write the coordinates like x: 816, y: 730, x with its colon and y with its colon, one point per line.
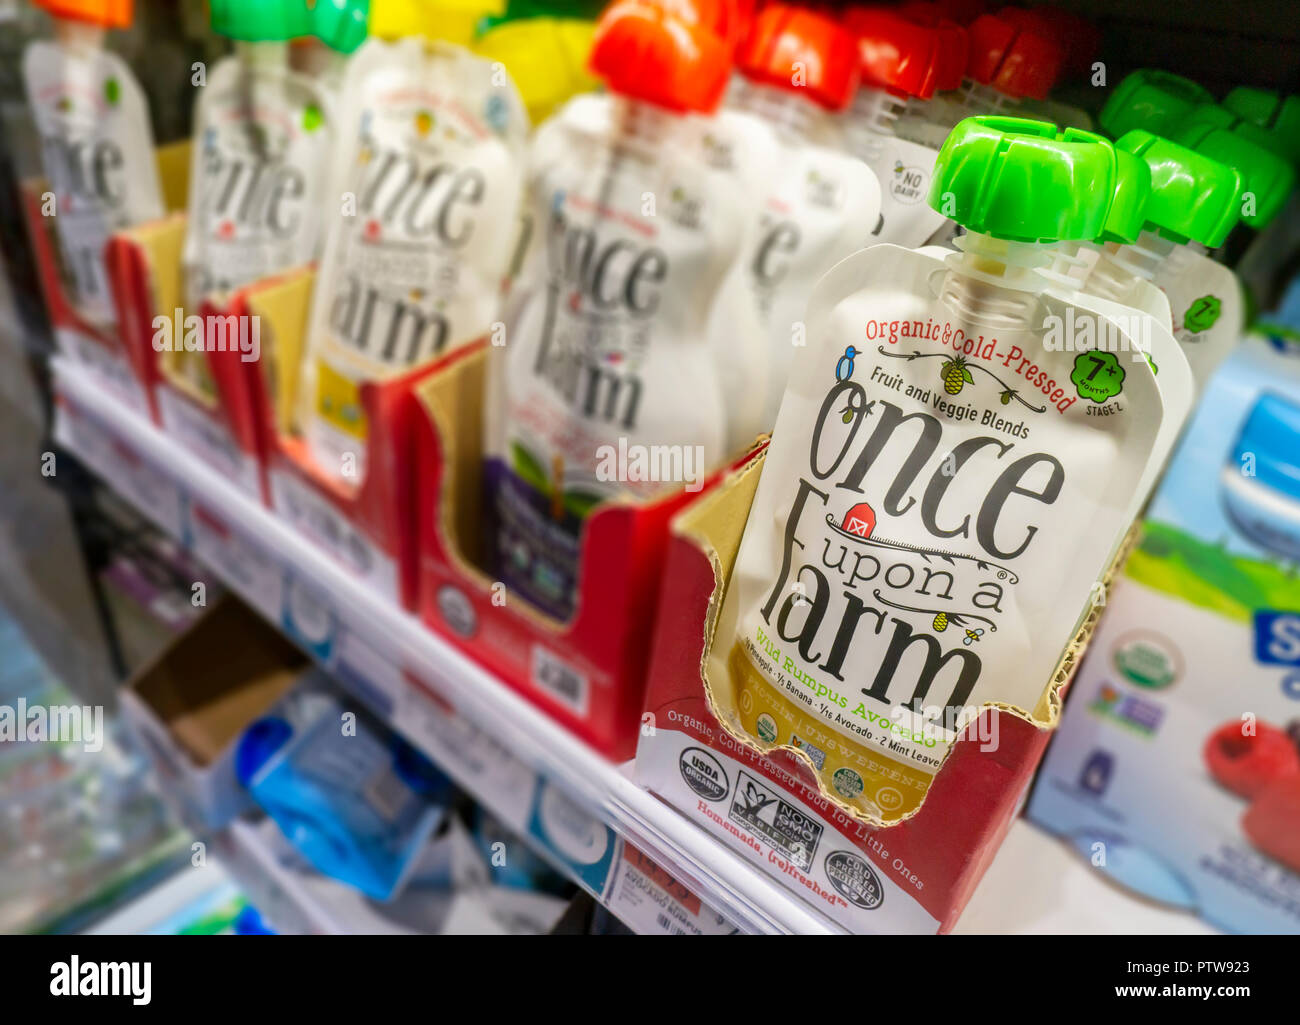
x: 907, y: 56
x: 1018, y: 60
x: 729, y: 20
x: 641, y: 51
x: 797, y: 49
x: 1078, y: 38
x: 963, y: 12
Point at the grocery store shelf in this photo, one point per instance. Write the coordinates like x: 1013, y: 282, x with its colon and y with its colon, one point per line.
x: 577, y: 807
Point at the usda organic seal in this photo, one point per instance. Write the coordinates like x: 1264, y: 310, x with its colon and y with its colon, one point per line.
x: 703, y: 774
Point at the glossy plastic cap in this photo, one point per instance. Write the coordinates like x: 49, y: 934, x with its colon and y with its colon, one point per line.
x: 1155, y: 101
x: 547, y: 58
x: 1276, y: 119
x: 798, y: 50
x: 1128, y: 206
x: 453, y: 20
x: 1192, y: 196
x: 1267, y: 179
x: 1017, y: 59
x: 642, y: 52
x: 261, y: 21
x: 729, y: 20
x: 961, y: 12
x: 906, y: 55
x: 1078, y: 38
x: 105, y: 13
x: 341, y: 24
x: 1021, y: 180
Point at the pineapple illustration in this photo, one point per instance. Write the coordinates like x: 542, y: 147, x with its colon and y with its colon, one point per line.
x: 940, y: 623
x: 956, y: 375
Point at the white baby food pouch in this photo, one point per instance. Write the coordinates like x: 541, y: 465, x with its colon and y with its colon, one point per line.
x: 432, y: 157
x: 814, y: 205
x: 98, y: 153
x: 606, y: 385
x: 261, y: 162
x: 941, y: 496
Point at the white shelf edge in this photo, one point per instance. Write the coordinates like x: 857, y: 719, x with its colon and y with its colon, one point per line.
x: 718, y: 876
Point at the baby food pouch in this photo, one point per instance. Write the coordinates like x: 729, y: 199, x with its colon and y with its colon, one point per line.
x: 900, y: 58
x: 943, y: 491
x: 606, y: 385
x: 1131, y: 314
x: 1194, y: 202
x: 431, y: 145
x: 260, y: 172
x: 96, y: 142
x: 818, y: 205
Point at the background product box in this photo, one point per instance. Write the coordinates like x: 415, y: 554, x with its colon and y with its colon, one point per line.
x: 190, y: 706
x: 1177, y: 764
x: 912, y: 877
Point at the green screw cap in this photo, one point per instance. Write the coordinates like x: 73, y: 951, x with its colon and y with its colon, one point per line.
x: 1127, y: 215
x: 1275, y: 119
x: 1156, y: 101
x: 1192, y: 195
x: 341, y: 24
x: 1267, y: 179
x: 261, y: 21
x: 1022, y: 181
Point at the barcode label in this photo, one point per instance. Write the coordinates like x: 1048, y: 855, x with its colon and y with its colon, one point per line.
x: 559, y: 679
x: 670, y: 927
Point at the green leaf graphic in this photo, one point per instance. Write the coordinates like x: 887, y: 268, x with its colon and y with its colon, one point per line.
x: 529, y: 468
x: 312, y: 118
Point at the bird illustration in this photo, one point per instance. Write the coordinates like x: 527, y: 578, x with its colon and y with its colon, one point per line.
x: 844, y: 368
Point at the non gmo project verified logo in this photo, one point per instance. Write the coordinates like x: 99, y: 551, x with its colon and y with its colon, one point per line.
x: 1128, y: 710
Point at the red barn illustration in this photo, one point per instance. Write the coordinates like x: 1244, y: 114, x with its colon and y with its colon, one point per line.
x: 860, y: 520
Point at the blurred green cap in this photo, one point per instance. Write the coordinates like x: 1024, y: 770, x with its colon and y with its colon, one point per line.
x: 339, y: 24
x: 1267, y: 179
x: 1275, y: 119
x: 1154, y: 100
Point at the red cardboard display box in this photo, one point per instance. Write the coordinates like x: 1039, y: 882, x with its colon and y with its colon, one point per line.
x: 589, y: 672
x: 367, y: 526
x: 220, y: 427
x: 124, y: 370
x: 915, y: 876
